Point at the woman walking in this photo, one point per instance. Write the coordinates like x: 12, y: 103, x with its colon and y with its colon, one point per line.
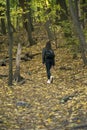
x: 48, y: 58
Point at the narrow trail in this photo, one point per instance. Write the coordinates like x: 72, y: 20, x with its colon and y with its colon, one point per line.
x: 49, y: 106
x: 49, y: 112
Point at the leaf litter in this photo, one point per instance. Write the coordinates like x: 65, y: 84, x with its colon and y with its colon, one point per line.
x: 36, y: 105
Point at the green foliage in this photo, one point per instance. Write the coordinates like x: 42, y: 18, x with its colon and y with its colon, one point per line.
x: 66, y: 27
x: 2, y: 2
x: 71, y: 36
x: 2, y: 8
x: 44, y: 10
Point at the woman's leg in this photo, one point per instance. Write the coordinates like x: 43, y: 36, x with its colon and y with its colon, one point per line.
x: 48, y: 67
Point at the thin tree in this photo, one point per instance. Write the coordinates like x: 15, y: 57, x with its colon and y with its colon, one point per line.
x: 10, y: 43
x: 29, y: 23
x: 79, y: 31
x: 48, y: 25
x: 27, y: 20
x: 84, y: 12
x: 17, y: 76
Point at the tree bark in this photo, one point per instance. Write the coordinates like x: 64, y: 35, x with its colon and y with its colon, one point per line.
x: 10, y: 43
x: 29, y: 24
x: 79, y: 31
x: 2, y: 14
x: 27, y: 19
x: 48, y: 26
x: 84, y: 12
x: 49, y: 31
x: 17, y: 76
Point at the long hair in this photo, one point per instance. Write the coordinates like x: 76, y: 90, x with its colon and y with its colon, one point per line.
x: 48, y: 45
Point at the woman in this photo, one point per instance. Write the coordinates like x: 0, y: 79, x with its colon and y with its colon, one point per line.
x: 48, y: 58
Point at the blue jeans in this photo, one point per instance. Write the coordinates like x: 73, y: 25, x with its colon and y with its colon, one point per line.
x: 48, y: 67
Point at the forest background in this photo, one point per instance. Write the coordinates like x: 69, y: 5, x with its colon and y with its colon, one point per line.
x: 26, y: 101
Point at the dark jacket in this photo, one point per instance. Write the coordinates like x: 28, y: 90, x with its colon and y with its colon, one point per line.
x: 44, y: 59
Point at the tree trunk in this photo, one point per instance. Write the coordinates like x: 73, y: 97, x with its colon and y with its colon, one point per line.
x: 56, y: 19
x: 62, y: 16
x: 2, y: 14
x: 17, y: 76
x: 48, y: 26
x: 84, y: 12
x: 27, y: 19
x: 77, y: 9
x: 29, y: 24
x: 78, y: 12
x: 49, y: 31
x: 10, y: 43
x: 79, y: 31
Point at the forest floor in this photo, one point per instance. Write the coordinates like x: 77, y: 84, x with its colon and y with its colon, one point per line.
x: 36, y: 105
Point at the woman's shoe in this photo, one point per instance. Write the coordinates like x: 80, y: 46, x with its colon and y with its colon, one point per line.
x: 48, y: 81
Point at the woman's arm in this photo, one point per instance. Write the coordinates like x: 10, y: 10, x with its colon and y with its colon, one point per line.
x: 43, y: 55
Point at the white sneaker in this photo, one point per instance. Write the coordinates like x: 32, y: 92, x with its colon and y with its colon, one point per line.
x: 51, y: 79
x: 48, y: 81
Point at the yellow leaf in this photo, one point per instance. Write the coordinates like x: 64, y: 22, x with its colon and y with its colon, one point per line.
x: 49, y: 120
x: 78, y: 121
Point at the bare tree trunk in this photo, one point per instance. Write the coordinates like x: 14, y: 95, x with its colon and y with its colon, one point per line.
x: 17, y: 76
x: 49, y: 31
x: 10, y: 43
x: 84, y: 12
x: 48, y: 26
x: 18, y: 57
x: 27, y: 23
x: 78, y: 12
x: 77, y: 9
x: 2, y: 14
x: 79, y: 31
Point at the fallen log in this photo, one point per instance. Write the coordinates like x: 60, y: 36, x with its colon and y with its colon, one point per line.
x: 25, y: 57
